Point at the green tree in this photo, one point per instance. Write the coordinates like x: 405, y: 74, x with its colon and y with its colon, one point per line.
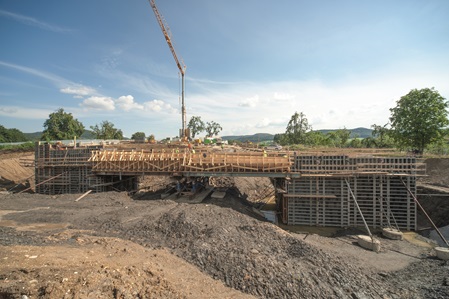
x: 140, y: 136
x: 369, y: 142
x: 61, y: 126
x: 213, y: 128
x: 106, y: 130
x: 11, y: 135
x: 339, y: 138
x: 151, y: 138
x: 419, y: 118
x: 382, y: 136
x: 196, y: 125
x: 277, y: 138
x: 355, y: 143
x: 297, y: 128
x: 316, y: 138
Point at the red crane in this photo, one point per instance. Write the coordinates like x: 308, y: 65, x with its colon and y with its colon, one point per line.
x: 180, y: 64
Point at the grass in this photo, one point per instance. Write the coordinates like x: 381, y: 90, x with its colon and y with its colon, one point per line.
x: 28, y: 146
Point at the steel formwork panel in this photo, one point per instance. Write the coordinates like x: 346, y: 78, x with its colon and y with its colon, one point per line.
x: 321, y: 196
x: 323, y: 201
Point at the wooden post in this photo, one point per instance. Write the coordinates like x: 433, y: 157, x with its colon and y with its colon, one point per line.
x: 84, y: 195
x: 52, y: 178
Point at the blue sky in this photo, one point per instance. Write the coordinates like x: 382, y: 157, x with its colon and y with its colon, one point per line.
x: 250, y: 64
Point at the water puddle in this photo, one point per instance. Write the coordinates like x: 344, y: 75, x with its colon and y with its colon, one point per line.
x: 434, y: 235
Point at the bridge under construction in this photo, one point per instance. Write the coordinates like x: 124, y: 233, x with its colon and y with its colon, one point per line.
x: 312, y: 188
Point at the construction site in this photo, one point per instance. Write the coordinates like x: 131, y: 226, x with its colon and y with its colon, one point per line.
x: 108, y: 219
x: 314, y: 189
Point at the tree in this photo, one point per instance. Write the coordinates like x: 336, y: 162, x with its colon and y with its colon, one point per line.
x: 213, y: 128
x: 196, y: 125
x: 296, y: 130
x: 138, y: 136
x: 11, y: 135
x: 106, y: 130
x: 151, y: 138
x: 61, y: 126
x: 382, y: 136
x: 339, y: 138
x: 355, y: 143
x: 316, y: 138
x: 278, y: 138
x: 369, y: 142
x: 419, y: 118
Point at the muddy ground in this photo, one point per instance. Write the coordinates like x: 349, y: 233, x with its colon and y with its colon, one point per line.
x: 110, y: 245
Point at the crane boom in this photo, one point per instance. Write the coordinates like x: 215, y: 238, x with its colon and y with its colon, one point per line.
x: 179, y: 63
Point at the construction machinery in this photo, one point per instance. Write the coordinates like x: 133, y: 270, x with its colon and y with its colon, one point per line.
x: 184, y: 132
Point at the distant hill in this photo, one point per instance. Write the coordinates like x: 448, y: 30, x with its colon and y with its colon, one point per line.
x: 357, y: 132
x: 33, y: 136
x: 36, y: 136
x: 87, y: 135
x: 260, y: 137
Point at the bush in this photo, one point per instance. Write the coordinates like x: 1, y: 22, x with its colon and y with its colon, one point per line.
x: 28, y: 146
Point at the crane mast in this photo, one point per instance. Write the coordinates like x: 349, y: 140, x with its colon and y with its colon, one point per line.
x: 180, y: 64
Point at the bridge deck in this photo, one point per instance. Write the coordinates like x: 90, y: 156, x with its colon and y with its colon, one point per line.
x: 203, y: 163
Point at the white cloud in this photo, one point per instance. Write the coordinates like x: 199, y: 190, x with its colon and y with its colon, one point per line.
x: 78, y: 91
x: 127, y: 103
x: 99, y: 103
x: 24, y: 113
x: 8, y: 110
x: 159, y: 106
x: 264, y: 123
x: 283, y: 96
x: 250, y: 102
x: 350, y: 102
x: 33, y: 22
x: 59, y: 81
x: 272, y: 123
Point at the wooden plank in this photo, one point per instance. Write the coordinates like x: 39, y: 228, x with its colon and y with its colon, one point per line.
x: 84, y: 195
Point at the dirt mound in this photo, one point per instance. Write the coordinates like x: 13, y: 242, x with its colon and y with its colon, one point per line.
x: 16, y: 168
x: 254, y: 188
x: 254, y: 257
x: 79, y: 276
x: 248, y: 255
x: 101, y: 268
x: 437, y: 170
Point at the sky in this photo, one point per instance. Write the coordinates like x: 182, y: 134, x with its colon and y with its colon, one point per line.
x: 251, y: 64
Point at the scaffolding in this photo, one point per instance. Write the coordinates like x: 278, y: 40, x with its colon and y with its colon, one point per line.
x: 60, y: 169
x: 171, y: 161
x: 320, y: 189
x: 322, y: 196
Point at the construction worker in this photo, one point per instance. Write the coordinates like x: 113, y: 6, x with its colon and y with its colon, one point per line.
x: 264, y: 153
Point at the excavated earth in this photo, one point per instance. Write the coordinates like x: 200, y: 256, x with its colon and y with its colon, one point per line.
x: 110, y: 245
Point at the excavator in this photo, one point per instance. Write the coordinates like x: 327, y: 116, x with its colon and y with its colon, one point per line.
x: 184, y: 132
